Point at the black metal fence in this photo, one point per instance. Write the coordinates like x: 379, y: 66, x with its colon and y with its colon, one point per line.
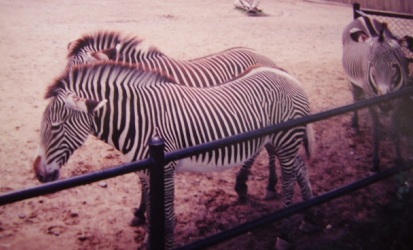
x: 158, y: 159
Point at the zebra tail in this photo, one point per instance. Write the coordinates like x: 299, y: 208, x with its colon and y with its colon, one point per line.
x: 309, y: 141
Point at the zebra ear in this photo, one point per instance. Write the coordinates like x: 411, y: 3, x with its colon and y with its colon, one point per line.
x: 107, y: 54
x: 83, y: 105
x: 358, y: 35
x: 407, y: 42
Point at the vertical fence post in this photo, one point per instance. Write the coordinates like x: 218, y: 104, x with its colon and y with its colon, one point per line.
x: 356, y: 7
x: 157, y: 193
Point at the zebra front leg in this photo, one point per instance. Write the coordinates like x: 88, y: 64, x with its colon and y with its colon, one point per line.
x: 170, y: 219
x: 139, y: 218
x: 241, y: 186
x: 271, y: 192
x: 358, y: 95
x: 376, y: 139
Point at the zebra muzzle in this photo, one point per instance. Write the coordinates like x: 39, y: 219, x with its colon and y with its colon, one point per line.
x: 385, y: 107
x: 41, y: 174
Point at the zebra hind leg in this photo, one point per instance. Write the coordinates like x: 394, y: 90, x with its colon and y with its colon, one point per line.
x: 241, y: 186
x: 271, y: 192
x: 310, y: 222
x: 289, y: 170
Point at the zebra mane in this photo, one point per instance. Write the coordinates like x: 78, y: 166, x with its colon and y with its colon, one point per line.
x: 98, y: 41
x: 103, y: 40
x: 135, y: 44
x: 60, y: 83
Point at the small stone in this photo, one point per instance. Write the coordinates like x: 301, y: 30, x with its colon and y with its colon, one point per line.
x: 329, y: 227
x: 55, y: 230
x: 103, y: 184
x: 22, y: 216
x: 74, y: 214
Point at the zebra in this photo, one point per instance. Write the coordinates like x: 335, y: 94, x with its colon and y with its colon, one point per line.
x: 206, y: 71
x: 375, y: 65
x: 125, y: 106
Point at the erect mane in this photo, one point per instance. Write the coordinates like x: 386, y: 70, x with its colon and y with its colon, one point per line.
x: 137, y: 44
x: 99, y: 38
x: 54, y: 88
x: 60, y: 82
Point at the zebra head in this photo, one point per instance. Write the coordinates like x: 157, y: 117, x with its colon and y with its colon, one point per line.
x: 386, y: 63
x: 66, y: 123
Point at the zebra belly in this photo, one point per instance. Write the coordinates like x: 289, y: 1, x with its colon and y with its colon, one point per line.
x: 220, y: 160
x: 192, y: 165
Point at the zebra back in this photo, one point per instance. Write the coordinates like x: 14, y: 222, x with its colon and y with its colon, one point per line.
x: 205, y: 71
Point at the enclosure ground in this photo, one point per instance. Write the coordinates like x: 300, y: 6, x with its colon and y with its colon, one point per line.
x: 304, y: 38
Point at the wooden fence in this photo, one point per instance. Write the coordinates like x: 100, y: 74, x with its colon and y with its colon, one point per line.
x: 403, y: 6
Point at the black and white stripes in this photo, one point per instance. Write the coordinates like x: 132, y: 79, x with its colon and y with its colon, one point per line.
x: 125, y: 106
x: 211, y: 70
x: 206, y: 71
x: 375, y: 65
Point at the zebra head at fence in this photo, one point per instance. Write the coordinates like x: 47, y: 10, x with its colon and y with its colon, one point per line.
x: 66, y: 114
x: 372, y: 57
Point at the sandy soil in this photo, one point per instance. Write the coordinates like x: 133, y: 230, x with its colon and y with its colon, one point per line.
x: 302, y: 37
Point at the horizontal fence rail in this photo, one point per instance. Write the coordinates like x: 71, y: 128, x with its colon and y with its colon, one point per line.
x: 159, y: 158
x: 72, y: 182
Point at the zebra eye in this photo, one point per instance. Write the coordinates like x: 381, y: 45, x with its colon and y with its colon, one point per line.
x: 55, y: 126
x: 395, y: 74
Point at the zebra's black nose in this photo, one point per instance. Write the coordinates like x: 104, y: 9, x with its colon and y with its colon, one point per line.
x: 41, y: 178
x: 385, y: 107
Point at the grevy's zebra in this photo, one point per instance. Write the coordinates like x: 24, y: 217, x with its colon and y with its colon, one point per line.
x: 376, y: 65
x: 206, y: 71
x: 125, y: 107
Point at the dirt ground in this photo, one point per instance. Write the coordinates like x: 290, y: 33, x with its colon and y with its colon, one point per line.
x: 303, y: 37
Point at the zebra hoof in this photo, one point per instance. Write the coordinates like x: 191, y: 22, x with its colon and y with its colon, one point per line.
x: 242, y: 199
x: 281, y: 244
x: 376, y: 165
x: 137, y: 222
x: 308, y: 227
x: 375, y: 168
x: 270, y: 195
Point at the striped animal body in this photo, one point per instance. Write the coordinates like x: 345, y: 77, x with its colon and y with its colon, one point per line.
x: 206, y: 71
x: 125, y: 107
x: 375, y: 65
